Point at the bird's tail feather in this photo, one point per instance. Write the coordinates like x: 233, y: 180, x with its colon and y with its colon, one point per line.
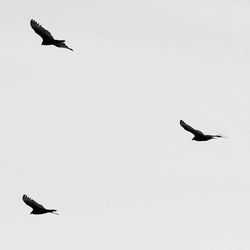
x: 53, y: 211
x: 63, y: 45
x: 219, y: 136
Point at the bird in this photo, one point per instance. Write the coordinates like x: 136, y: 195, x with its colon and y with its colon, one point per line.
x: 37, y: 208
x: 48, y: 39
x: 198, y: 135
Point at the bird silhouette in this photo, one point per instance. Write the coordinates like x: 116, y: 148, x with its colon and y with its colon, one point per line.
x: 37, y: 208
x: 198, y: 135
x: 48, y: 39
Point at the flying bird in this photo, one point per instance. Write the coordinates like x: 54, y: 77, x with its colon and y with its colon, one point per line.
x: 198, y: 135
x: 48, y: 39
x: 37, y: 208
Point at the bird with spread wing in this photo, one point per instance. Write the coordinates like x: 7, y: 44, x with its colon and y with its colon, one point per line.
x: 48, y: 39
x: 37, y: 208
x: 198, y: 135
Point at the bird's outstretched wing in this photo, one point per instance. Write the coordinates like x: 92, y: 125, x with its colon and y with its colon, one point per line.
x: 33, y: 204
x: 45, y: 34
x: 190, y: 129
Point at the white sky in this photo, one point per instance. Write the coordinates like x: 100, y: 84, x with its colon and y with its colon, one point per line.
x: 95, y: 133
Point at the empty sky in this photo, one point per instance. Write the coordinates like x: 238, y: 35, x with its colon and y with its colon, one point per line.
x: 95, y: 133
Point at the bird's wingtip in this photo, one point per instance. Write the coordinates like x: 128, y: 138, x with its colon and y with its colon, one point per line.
x: 24, y: 197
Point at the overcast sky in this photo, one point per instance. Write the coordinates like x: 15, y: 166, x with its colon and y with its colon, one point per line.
x: 95, y: 133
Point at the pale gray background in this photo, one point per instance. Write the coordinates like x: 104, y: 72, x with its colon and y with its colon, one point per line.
x: 95, y: 133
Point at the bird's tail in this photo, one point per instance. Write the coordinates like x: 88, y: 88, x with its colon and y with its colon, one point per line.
x: 219, y: 136
x: 63, y: 45
x: 53, y: 211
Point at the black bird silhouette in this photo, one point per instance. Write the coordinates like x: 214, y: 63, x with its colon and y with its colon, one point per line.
x: 198, y: 135
x: 37, y: 208
x: 48, y: 39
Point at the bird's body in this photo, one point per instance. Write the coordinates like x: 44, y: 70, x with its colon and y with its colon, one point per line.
x: 37, y: 208
x: 43, y: 211
x: 48, y: 39
x: 198, y: 135
x: 206, y: 137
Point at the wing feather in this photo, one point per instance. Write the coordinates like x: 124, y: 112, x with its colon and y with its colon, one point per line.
x: 190, y: 129
x: 45, y: 34
x: 33, y: 204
